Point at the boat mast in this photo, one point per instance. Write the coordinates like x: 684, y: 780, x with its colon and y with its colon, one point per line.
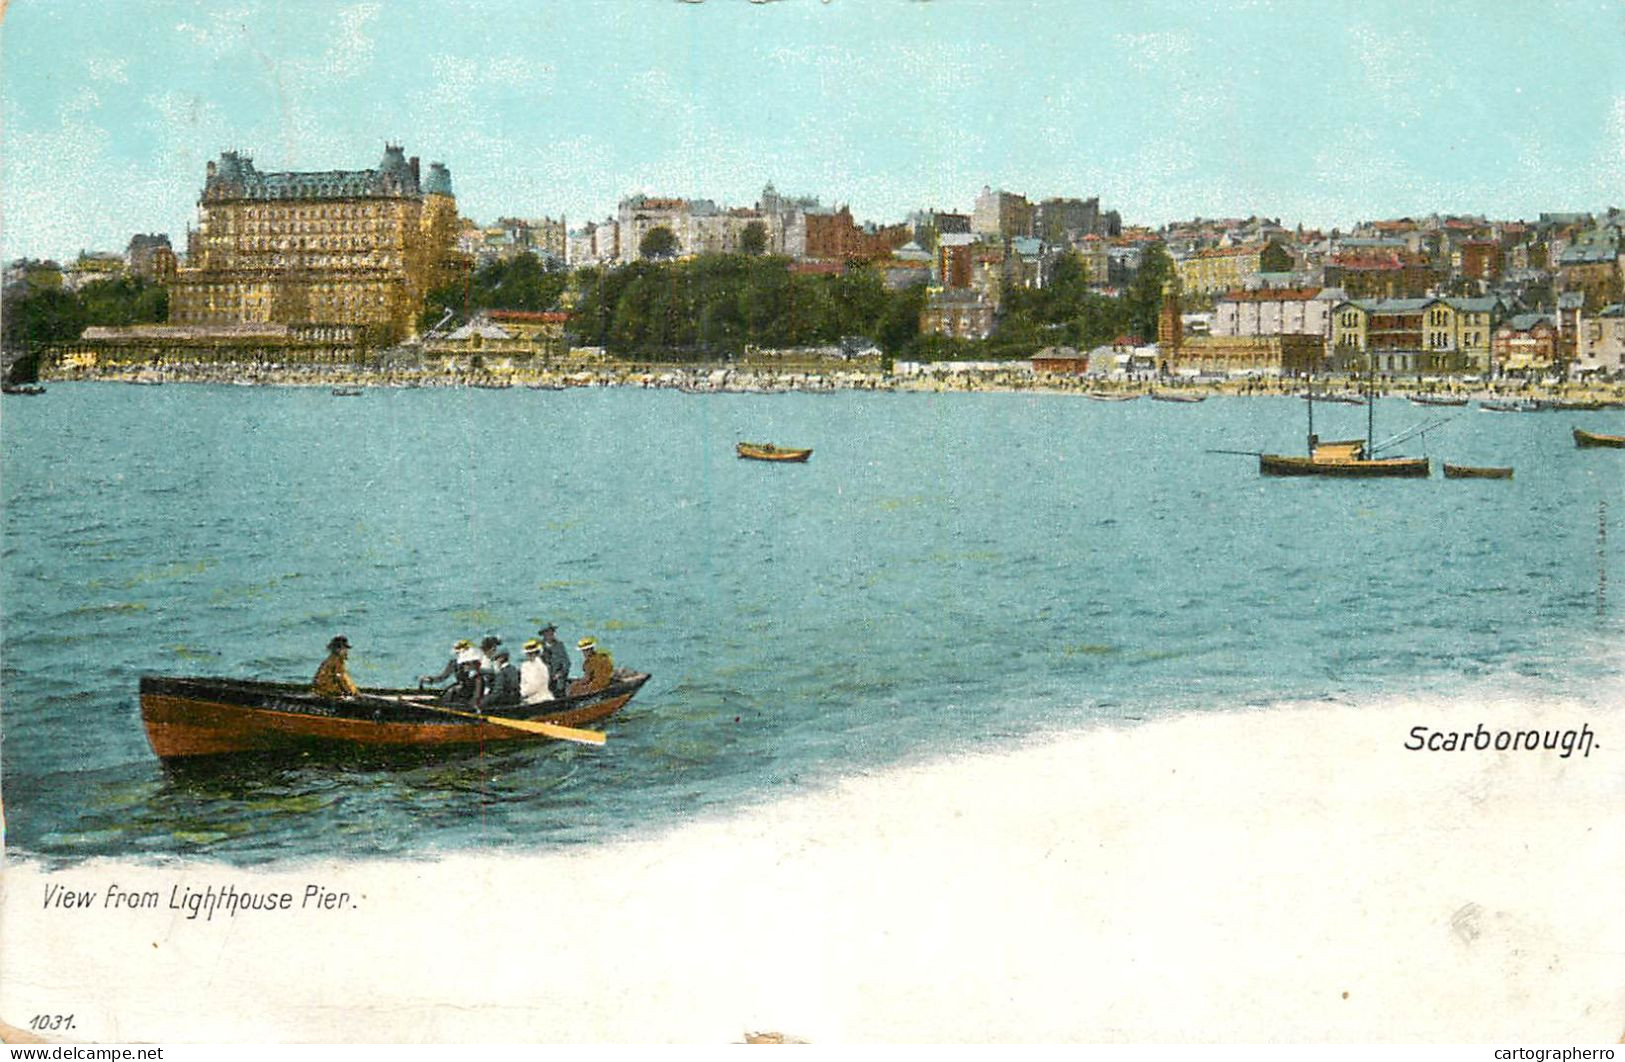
x: 1370, y: 402
x: 1311, y: 402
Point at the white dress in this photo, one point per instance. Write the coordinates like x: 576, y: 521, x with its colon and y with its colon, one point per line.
x: 533, y: 681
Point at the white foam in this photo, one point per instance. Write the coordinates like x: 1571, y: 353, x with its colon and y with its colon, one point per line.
x: 1284, y: 874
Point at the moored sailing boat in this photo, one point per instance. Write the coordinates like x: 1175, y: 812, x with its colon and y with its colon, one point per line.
x: 1348, y: 459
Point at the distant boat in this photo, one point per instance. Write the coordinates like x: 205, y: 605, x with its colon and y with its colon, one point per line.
x: 346, y: 392
x: 1509, y: 405
x: 546, y: 386
x: 1476, y: 472
x: 1341, y: 399
x: 1438, y: 400
x: 1587, y: 439
x: 22, y: 389
x: 1111, y: 396
x: 145, y: 381
x: 1169, y: 396
x: 769, y: 452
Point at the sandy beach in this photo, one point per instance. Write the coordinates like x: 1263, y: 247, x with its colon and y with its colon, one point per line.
x: 766, y: 380
x: 1284, y: 874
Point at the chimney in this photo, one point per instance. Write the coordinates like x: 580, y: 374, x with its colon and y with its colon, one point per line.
x: 415, y: 179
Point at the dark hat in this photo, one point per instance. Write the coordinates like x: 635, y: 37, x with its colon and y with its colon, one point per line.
x: 340, y: 642
x: 546, y: 628
x: 489, y: 642
x: 502, y: 654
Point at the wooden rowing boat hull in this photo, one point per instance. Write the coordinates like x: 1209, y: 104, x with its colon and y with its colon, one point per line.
x: 1585, y: 439
x: 754, y: 452
x: 1476, y: 472
x: 195, y: 717
x: 1378, y: 468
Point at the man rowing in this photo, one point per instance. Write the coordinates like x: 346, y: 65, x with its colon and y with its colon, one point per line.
x: 332, y: 678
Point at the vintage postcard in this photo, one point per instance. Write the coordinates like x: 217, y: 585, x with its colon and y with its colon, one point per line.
x: 836, y: 521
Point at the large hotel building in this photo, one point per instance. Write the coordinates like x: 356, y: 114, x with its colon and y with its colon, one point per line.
x: 340, y: 247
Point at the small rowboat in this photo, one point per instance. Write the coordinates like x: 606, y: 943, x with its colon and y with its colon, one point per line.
x: 346, y: 392
x: 769, y: 452
x: 1111, y: 396
x: 186, y: 718
x: 1476, y: 472
x: 1438, y: 400
x: 1586, y: 439
x: 1165, y: 396
x: 1340, y: 399
x: 23, y: 389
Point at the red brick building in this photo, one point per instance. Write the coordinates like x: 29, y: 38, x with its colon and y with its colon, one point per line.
x: 1383, y: 275
x: 837, y: 236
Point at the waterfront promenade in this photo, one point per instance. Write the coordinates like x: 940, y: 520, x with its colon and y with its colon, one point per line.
x: 758, y: 379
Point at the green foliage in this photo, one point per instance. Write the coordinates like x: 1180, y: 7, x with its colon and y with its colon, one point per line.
x: 124, y: 300
x: 36, y: 315
x: 521, y: 283
x: 658, y: 242
x: 753, y: 241
x: 1144, y: 296
x: 715, y: 306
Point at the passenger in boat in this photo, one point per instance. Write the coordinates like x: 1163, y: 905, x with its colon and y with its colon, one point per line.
x: 332, y: 680
x: 450, y: 670
x: 557, y: 659
x: 503, y: 692
x: 470, y: 685
x: 488, y: 658
x: 533, y: 677
x: 597, y: 668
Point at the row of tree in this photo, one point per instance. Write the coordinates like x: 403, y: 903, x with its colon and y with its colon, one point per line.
x: 33, y: 315
x: 715, y: 306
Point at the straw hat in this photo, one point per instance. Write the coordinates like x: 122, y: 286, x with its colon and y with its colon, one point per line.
x: 532, y: 646
x: 587, y: 645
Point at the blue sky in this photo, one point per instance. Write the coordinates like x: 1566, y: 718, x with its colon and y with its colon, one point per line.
x: 1320, y: 113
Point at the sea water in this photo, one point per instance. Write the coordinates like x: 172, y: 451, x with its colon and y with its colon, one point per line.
x: 950, y: 572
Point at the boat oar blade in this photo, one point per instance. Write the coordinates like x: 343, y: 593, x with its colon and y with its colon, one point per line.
x: 552, y: 730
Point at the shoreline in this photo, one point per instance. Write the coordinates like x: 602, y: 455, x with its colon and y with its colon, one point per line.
x: 732, y: 379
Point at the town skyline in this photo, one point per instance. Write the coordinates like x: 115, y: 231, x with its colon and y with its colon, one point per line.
x: 540, y: 111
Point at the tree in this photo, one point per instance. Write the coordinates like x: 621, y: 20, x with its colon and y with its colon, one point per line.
x: 1144, y: 295
x: 753, y: 241
x: 658, y: 242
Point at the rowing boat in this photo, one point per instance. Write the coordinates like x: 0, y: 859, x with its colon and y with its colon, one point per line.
x: 188, y: 717
x: 1428, y: 399
x: 1586, y: 439
x: 1167, y: 396
x: 769, y: 452
x: 1477, y: 472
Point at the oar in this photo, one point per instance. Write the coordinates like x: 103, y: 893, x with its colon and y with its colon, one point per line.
x: 552, y: 730
x: 1241, y: 453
